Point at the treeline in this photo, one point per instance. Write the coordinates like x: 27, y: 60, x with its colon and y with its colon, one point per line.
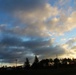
x: 50, y: 63
x: 45, y: 64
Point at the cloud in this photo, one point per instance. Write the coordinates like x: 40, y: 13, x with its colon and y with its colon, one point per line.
x: 50, y: 51
x: 13, y: 48
x: 10, y: 40
x: 70, y: 48
x: 74, y: 47
x: 67, y: 23
x: 38, y: 16
x: 16, y: 5
x: 32, y: 19
x: 36, y: 20
x: 71, y: 42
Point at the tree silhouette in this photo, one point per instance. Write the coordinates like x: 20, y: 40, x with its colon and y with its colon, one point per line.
x: 44, y: 63
x: 69, y: 60
x: 64, y: 61
x: 36, y: 62
x: 56, y: 62
x: 51, y: 61
x: 26, y: 63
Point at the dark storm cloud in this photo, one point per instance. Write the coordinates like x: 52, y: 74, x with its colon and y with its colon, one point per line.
x: 10, y: 41
x: 36, y: 43
x: 49, y: 51
x: 12, y: 48
x: 12, y: 5
x: 25, y: 19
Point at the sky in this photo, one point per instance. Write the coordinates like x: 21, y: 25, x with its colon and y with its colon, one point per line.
x: 45, y: 28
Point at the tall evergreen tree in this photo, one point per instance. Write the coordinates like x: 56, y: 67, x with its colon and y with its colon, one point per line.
x: 26, y: 63
x: 36, y: 62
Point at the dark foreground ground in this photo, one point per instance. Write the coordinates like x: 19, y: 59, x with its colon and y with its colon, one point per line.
x: 60, y: 71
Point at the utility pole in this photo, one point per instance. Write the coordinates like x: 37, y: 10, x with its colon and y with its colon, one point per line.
x: 1, y: 62
x: 16, y: 62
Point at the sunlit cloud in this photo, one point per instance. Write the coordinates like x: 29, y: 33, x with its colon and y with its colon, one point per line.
x: 33, y: 27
